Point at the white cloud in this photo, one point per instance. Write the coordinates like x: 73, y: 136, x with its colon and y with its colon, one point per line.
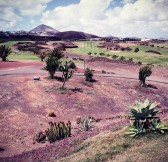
x: 26, y: 7
x: 9, y: 16
x: 143, y: 18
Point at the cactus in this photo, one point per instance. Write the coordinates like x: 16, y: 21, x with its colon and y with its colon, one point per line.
x: 58, y: 131
x: 67, y: 70
x: 144, y: 72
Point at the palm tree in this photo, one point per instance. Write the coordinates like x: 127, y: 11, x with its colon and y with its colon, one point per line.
x: 4, y: 52
x: 56, y: 53
x: 52, y: 61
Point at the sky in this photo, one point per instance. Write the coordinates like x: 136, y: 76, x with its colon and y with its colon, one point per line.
x: 122, y: 18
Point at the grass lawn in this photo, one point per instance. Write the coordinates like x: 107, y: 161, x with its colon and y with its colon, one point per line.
x: 147, y: 58
x: 118, y: 147
x: 23, y: 55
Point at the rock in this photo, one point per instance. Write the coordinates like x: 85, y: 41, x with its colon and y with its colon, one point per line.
x: 2, y: 149
x: 51, y: 114
x: 40, y: 137
x: 36, y: 78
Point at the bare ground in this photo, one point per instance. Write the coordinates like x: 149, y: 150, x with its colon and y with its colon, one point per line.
x: 25, y: 103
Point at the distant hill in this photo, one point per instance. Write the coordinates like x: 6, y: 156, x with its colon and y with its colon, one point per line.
x: 43, y: 28
x: 74, y: 35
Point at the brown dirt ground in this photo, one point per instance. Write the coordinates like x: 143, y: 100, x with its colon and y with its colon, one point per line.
x: 16, y: 64
x: 24, y: 103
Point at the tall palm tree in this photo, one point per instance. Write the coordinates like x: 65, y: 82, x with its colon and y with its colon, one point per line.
x: 5, y: 52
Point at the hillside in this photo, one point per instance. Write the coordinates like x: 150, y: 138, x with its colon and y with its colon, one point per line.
x: 74, y: 35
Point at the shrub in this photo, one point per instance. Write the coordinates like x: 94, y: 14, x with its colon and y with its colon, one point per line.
x: 108, y: 55
x: 67, y: 70
x: 58, y: 131
x: 103, y: 72
x: 88, y: 74
x: 52, y: 65
x: 95, y: 53
x: 101, y: 54
x: 139, y: 63
x: 122, y: 58
x: 136, y: 50
x: 131, y: 59
x: 114, y: 56
x: 145, y: 119
x: 89, y: 53
x: 4, y: 52
x: 52, y: 61
x: 144, y: 72
x: 85, y: 123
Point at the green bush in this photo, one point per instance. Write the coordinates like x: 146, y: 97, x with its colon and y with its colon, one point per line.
x: 52, y: 61
x: 101, y: 54
x: 122, y: 58
x: 89, y: 53
x: 114, y: 56
x: 88, y: 74
x: 136, y: 50
x: 145, y: 119
x: 144, y: 72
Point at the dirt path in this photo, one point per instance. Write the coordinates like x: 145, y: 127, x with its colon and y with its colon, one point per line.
x: 36, y: 70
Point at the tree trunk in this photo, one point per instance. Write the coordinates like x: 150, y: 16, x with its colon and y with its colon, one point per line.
x: 63, y: 84
x: 3, y: 58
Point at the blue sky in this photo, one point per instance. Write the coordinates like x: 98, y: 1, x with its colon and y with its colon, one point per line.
x: 140, y: 18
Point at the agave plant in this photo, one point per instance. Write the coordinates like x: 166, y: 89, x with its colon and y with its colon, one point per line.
x: 86, y: 123
x: 136, y: 129
x: 157, y: 126
x: 144, y: 110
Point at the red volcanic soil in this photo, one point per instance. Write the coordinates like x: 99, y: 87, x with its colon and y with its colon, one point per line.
x: 15, y: 64
x: 25, y: 103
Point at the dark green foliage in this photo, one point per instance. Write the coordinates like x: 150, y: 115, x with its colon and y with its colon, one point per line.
x: 131, y: 59
x: 114, y: 56
x: 67, y: 70
x: 56, y: 53
x: 108, y: 55
x: 136, y: 129
x: 89, y: 53
x: 144, y: 72
x: 144, y: 117
x: 58, y: 131
x: 136, y: 50
x: 101, y: 54
x: 52, y: 61
x: 88, y: 74
x: 122, y: 58
x: 4, y: 52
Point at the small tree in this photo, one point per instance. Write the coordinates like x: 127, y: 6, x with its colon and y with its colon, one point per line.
x: 52, y: 61
x: 136, y: 50
x: 4, y: 52
x: 52, y: 65
x: 88, y: 74
x: 68, y: 68
x: 144, y: 72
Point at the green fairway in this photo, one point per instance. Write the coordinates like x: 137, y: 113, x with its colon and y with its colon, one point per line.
x: 23, y: 55
x: 147, y: 58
